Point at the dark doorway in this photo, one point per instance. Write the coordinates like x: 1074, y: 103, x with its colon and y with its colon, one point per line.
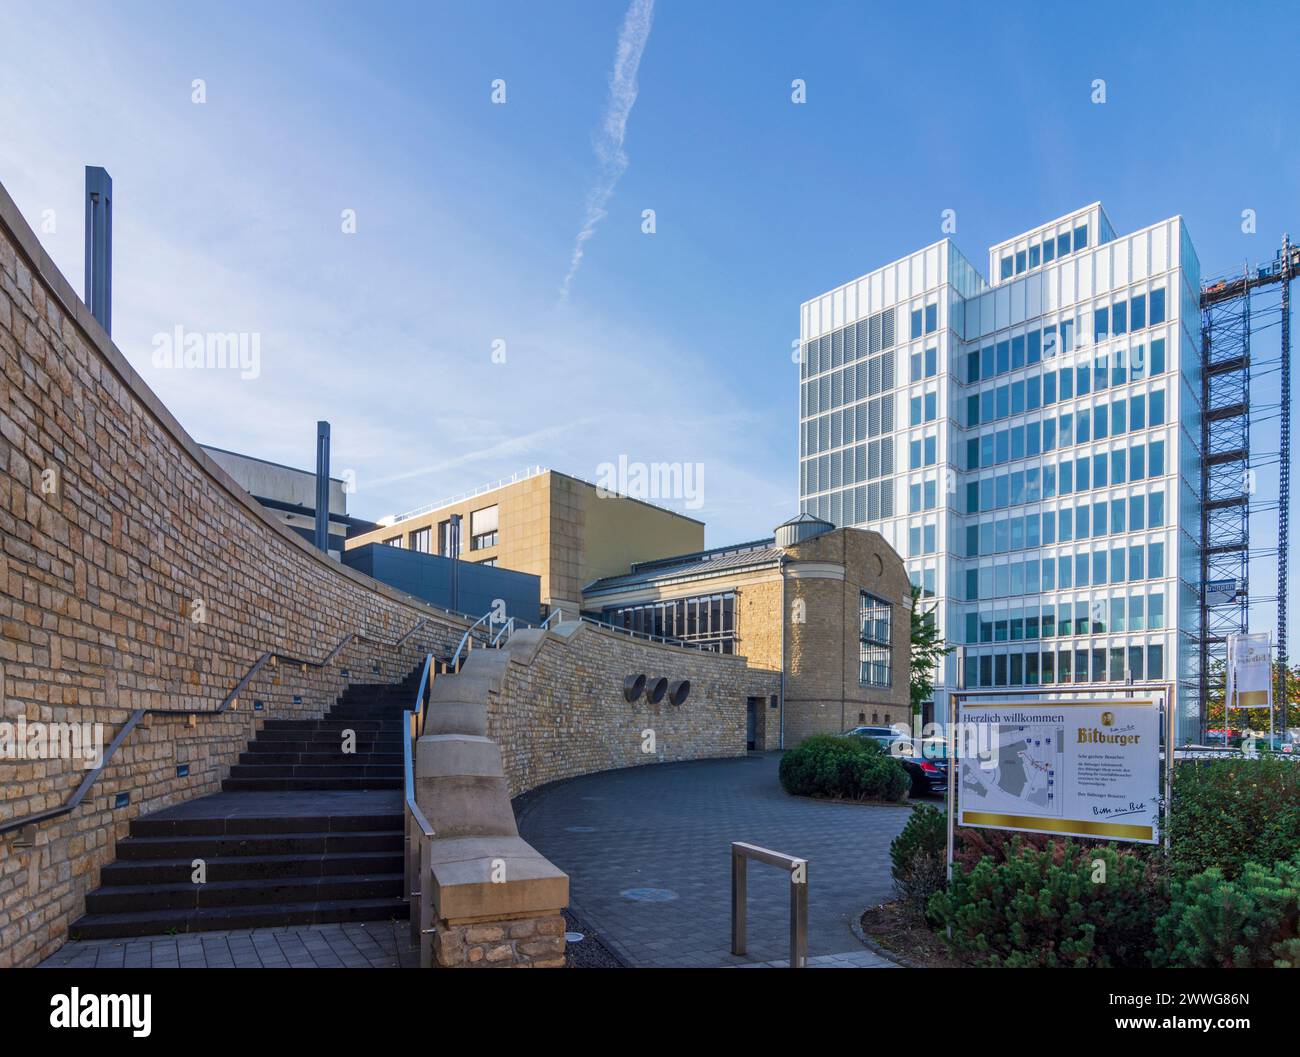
x: 752, y: 705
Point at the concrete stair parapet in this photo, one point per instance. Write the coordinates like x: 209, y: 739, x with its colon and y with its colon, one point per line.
x: 497, y: 901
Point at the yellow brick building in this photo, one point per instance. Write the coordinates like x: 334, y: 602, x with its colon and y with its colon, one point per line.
x: 563, y: 529
x: 829, y: 609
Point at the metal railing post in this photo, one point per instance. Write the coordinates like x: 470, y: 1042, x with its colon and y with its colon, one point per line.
x: 426, y: 907
x: 413, y: 877
x: 797, y: 868
x: 799, y: 916
x: 419, y: 834
x: 739, y: 900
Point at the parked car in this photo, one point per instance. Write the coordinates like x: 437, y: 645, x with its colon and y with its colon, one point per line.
x: 1223, y: 737
x: 926, y: 765
x: 1283, y: 741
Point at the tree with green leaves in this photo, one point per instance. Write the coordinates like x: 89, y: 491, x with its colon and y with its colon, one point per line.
x: 928, y: 649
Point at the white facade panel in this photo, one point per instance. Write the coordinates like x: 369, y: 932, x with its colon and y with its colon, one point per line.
x: 1016, y: 444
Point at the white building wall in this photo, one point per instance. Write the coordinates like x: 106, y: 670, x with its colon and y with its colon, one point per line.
x: 972, y: 520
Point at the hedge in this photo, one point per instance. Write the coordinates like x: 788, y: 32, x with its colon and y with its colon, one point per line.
x: 827, y: 765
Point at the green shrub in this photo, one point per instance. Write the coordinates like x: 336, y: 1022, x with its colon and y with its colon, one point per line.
x: 844, y: 768
x: 1044, y: 908
x: 919, y: 854
x: 1216, y: 922
x: 971, y: 844
x: 1227, y: 813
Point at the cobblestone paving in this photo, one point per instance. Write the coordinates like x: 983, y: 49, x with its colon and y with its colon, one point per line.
x: 648, y: 854
x: 352, y: 945
x: 647, y: 851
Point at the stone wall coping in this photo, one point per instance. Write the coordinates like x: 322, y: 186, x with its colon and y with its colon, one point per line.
x: 456, y: 756
x: 43, y: 266
x: 465, y: 887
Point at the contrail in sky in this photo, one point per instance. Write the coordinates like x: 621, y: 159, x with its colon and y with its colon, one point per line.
x: 609, y: 138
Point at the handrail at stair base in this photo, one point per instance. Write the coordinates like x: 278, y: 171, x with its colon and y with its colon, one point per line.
x: 79, y: 794
x: 418, y: 835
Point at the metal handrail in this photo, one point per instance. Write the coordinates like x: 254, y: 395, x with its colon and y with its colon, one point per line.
x: 418, y: 833
x: 507, y: 629
x: 547, y: 622
x: 467, y: 640
x: 230, y: 702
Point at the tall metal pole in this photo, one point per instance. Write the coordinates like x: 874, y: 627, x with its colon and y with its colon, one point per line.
x: 454, y: 529
x: 323, y: 486
x: 1284, y: 480
x: 1203, y: 667
x: 99, y: 246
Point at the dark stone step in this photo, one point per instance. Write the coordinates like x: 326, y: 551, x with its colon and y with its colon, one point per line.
x: 290, y: 784
x: 388, y: 716
x: 228, y: 844
x: 120, y: 899
x: 275, y: 869
x: 357, y: 767
x: 264, y: 824
x: 366, y: 726
x: 328, y: 741
x: 250, y: 867
x: 160, y: 922
x: 329, y: 734
x: 320, y: 758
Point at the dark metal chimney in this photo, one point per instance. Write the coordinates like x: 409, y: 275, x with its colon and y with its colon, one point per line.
x: 323, y: 486
x: 99, y: 246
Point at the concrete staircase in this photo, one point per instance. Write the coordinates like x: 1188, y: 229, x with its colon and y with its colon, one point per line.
x: 307, y: 754
x: 302, y: 833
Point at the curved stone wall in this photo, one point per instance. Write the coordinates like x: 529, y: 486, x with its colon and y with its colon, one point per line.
x: 557, y: 710
x: 135, y: 574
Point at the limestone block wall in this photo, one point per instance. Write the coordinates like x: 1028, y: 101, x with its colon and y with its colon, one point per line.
x: 558, y: 711
x: 135, y: 574
x: 823, y: 694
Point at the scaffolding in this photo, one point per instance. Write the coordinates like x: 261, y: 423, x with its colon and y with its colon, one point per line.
x: 1227, y: 471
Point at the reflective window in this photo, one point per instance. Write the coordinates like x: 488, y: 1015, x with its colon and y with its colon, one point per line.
x: 877, y: 645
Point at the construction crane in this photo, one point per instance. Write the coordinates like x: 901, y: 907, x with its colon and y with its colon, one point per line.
x: 1225, y: 462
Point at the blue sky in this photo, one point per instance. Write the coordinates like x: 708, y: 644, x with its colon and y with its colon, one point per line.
x: 669, y: 347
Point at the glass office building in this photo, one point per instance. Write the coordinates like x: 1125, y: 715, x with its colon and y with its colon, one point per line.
x: 1028, y: 443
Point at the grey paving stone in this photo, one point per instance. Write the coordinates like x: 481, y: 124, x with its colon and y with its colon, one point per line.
x: 382, y: 945
x: 670, y: 826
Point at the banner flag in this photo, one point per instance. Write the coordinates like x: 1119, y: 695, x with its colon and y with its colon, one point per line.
x: 1250, y: 671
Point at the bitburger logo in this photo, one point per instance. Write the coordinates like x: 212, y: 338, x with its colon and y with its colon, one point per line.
x: 1108, y: 719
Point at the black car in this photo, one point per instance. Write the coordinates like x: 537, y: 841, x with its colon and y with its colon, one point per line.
x: 926, y: 763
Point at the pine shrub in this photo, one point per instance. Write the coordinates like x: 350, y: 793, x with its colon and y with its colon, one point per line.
x: 918, y: 855
x: 1058, y: 906
x: 1214, y: 921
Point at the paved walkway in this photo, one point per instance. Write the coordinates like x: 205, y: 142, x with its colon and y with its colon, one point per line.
x: 647, y: 851
x: 648, y: 854
x: 351, y: 945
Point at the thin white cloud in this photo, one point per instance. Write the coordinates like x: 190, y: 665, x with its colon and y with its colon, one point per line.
x: 609, y: 140
x: 525, y: 444
x: 367, y: 331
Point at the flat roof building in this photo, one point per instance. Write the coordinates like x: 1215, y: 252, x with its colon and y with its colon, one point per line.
x: 1028, y: 442
x: 290, y: 495
x: 560, y: 528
